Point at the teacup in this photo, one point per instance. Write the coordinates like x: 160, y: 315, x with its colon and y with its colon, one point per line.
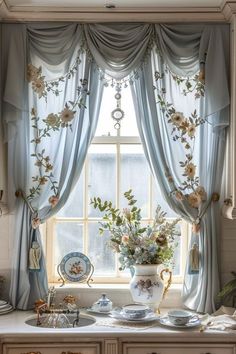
x: 181, y: 317
x: 135, y: 311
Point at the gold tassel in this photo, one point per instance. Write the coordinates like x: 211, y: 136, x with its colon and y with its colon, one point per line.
x: 194, y: 258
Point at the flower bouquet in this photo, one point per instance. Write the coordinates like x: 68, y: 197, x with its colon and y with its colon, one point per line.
x: 137, y: 243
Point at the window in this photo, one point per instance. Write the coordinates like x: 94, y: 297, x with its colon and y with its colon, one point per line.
x: 115, y: 164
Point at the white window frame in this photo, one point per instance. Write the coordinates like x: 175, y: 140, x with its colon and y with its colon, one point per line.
x: 51, y: 224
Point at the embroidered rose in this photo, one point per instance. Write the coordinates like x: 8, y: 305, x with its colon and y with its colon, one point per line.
x: 184, y: 125
x: 35, y: 223
x: 191, y: 130
x: 49, y: 167
x: 215, y: 198
x: 67, y: 115
x: 33, y: 73
x: 42, y: 180
x: 177, y: 118
x: 52, y: 119
x: 201, y: 191
x: 53, y: 200
x: 194, y: 200
x: 179, y: 196
x: 39, y: 87
x: 190, y: 170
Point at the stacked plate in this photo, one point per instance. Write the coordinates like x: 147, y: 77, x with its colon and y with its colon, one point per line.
x: 5, y: 307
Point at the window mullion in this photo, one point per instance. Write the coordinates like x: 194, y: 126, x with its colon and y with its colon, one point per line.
x: 118, y: 186
x: 85, y: 223
x: 150, y: 196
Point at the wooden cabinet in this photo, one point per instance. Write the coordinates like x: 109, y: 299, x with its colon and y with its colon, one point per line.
x: 152, y: 348
x: 91, y: 348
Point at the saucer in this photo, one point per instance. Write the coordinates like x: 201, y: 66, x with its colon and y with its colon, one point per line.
x: 191, y: 324
x: 120, y: 315
x: 97, y: 312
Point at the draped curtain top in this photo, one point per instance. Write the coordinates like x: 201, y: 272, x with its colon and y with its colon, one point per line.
x: 119, y: 49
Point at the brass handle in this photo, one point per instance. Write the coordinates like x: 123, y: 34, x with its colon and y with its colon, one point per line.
x: 169, y: 281
x: 32, y: 353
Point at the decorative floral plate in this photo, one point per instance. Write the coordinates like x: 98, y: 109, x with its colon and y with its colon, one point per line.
x: 75, y: 267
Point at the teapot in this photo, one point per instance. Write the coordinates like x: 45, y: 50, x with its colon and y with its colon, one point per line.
x: 103, y: 304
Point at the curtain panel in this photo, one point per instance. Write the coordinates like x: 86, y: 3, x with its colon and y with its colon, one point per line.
x: 118, y: 50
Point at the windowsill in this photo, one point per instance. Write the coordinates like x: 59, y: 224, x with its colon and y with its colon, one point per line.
x: 118, y: 293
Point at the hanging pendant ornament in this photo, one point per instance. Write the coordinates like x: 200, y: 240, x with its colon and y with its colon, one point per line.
x: 117, y: 114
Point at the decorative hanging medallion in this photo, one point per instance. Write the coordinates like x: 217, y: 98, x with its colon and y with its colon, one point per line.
x: 118, y: 114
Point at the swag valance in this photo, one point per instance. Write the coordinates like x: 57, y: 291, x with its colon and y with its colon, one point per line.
x: 118, y: 50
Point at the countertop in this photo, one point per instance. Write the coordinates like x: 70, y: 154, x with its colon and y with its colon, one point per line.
x: 13, y: 327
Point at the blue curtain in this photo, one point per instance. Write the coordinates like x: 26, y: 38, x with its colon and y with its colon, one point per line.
x: 55, y: 48
x: 163, y: 154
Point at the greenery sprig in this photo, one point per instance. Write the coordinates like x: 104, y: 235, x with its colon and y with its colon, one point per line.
x: 135, y: 243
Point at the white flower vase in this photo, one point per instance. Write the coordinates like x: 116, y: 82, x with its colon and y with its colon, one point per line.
x: 147, y: 286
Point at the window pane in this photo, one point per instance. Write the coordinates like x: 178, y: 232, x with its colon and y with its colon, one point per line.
x: 106, y: 123
x: 101, y: 175
x: 74, y: 205
x: 68, y: 238
x: 177, y: 251
x: 135, y: 175
x: 99, y: 252
x: 159, y: 200
x: 128, y: 124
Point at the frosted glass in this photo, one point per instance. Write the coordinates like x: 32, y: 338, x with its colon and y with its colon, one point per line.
x: 106, y: 123
x: 135, y: 175
x: 68, y: 238
x: 101, y: 256
x: 74, y: 205
x: 101, y: 175
x: 157, y: 199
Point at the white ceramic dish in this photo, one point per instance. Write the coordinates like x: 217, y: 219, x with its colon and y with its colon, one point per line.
x: 191, y: 324
x: 7, y: 311
x: 120, y: 315
x: 6, y: 308
x: 135, y: 311
x: 2, y: 302
x: 181, y: 317
x: 91, y: 310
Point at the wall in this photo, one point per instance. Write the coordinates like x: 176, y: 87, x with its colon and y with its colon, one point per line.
x: 228, y: 249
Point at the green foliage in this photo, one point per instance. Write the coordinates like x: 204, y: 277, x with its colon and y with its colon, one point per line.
x: 228, y: 289
x: 136, y: 243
